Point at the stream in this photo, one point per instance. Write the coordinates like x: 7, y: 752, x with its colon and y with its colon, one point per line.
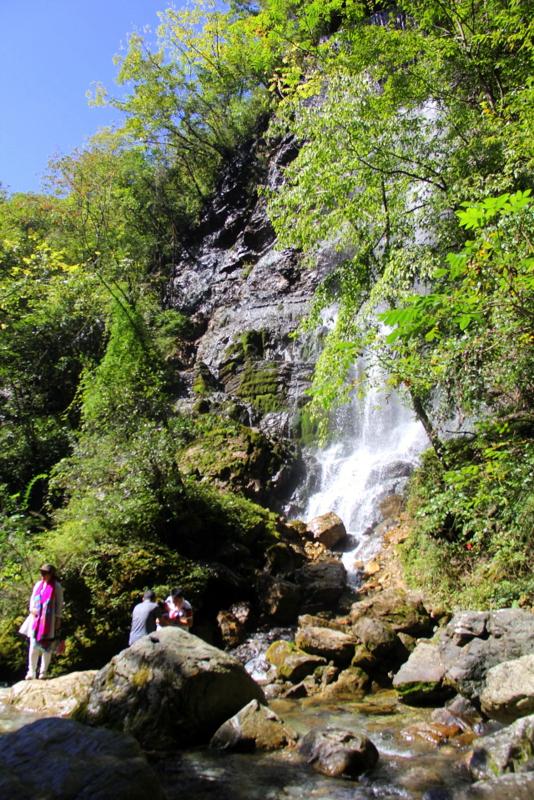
x: 405, y: 769
x: 408, y: 767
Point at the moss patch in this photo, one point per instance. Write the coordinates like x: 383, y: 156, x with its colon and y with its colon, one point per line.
x: 306, y: 427
x: 234, y: 457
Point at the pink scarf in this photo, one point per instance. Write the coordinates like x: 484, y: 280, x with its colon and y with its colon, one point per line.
x: 43, y: 603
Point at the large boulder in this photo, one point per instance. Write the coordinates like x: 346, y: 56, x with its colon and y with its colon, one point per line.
x: 509, y: 691
x: 351, y: 683
x: 330, y: 644
x: 509, y: 750
x: 59, y: 759
x: 291, y: 663
x: 401, y: 611
x: 461, y: 654
x: 322, y: 584
x: 338, y: 752
x: 57, y: 697
x: 279, y: 599
x: 419, y: 681
x: 377, y: 637
x: 169, y: 689
x: 475, y: 641
x: 327, y: 529
x: 255, y: 727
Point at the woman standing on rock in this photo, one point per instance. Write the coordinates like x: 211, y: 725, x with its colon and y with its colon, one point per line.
x: 46, y: 608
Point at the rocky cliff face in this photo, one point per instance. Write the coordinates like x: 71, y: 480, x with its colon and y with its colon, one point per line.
x: 246, y: 297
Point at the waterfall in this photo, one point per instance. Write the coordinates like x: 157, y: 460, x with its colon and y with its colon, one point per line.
x: 378, y: 444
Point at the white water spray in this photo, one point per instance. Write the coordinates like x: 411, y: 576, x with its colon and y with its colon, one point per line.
x: 380, y: 441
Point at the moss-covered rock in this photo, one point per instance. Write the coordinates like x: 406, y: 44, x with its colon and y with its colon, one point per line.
x: 291, y: 663
x: 306, y: 427
x: 235, y: 457
x: 169, y: 689
x: 204, y: 383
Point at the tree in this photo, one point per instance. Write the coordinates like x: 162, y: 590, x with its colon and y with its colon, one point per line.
x: 399, y: 124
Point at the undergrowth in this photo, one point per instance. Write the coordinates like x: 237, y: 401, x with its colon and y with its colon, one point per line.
x: 471, y: 542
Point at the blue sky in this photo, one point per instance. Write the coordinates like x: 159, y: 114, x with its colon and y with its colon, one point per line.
x: 50, y: 52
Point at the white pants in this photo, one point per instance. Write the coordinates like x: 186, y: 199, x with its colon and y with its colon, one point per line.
x: 33, y: 658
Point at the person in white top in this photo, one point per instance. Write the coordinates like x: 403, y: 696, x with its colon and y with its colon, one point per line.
x: 180, y: 611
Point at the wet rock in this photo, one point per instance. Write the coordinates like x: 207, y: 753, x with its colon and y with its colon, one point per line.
x: 273, y: 690
x: 459, y: 711
x: 327, y: 529
x: 462, y: 653
x: 56, y: 697
x: 300, y: 690
x: 350, y: 683
x: 391, y: 506
x: 255, y: 727
x: 420, y: 681
x: 508, y: 750
x: 169, y: 689
x: 402, y: 611
x: 322, y: 584
x: 279, y: 599
x: 438, y: 793
x: 232, y: 630
x: 327, y: 675
x: 291, y: 663
x: 433, y: 732
x: 378, y: 637
x: 310, y: 620
x: 332, y: 645
x: 475, y: 641
x: 59, y: 759
x: 507, y: 787
x: 417, y: 779
x: 337, y: 752
x: 509, y: 690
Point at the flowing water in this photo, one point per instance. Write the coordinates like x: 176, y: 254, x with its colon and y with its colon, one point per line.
x: 406, y: 769
x: 379, y: 441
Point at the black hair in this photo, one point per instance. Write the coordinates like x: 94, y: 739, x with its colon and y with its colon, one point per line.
x: 177, y: 593
x: 150, y: 594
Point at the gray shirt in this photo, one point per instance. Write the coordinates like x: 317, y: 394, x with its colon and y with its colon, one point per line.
x: 144, y: 618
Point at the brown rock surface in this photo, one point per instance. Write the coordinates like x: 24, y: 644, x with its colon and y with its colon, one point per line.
x: 335, y: 752
x: 328, y: 529
x: 169, y: 689
x: 330, y: 644
x: 291, y: 663
x: 56, y: 697
x: 255, y: 727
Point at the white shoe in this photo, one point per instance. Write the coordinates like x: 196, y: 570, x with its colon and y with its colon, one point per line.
x: 30, y: 676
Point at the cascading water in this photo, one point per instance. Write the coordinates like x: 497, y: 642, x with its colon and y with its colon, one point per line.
x: 379, y: 441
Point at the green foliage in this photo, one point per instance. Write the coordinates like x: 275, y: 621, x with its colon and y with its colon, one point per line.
x: 472, y: 335
x: 400, y: 125
x: 101, y: 592
x: 231, y: 456
x: 116, y: 486
x: 471, y: 542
